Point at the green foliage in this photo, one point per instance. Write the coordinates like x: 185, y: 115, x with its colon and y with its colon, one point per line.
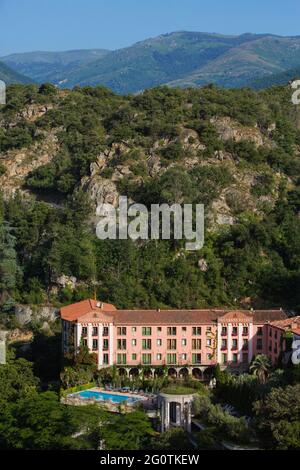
x: 131, y: 431
x: 260, y: 367
x: 8, y: 261
x: 278, y: 418
x: 225, y: 425
x: 173, y: 439
x: 42, y: 242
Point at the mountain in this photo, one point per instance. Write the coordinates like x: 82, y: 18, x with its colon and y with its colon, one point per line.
x: 51, y: 66
x: 179, y: 59
x: 10, y: 76
x: 155, y: 61
x: 276, y: 79
x: 262, y: 56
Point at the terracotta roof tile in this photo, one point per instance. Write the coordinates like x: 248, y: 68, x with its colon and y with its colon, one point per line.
x: 87, y: 308
x: 74, y: 311
x: 292, y: 324
x: 263, y: 316
x: 237, y: 315
x: 170, y: 317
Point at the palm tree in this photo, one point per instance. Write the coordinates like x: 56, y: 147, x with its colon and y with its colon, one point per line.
x: 260, y: 367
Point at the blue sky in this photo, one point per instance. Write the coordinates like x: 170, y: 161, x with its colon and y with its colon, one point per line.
x: 80, y: 24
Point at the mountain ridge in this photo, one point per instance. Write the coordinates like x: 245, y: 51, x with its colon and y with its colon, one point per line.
x: 9, y: 75
x: 182, y: 58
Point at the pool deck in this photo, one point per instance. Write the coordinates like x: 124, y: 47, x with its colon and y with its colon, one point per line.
x: 146, y: 400
x: 120, y: 394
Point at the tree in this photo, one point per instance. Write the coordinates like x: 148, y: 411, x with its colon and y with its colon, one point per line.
x: 260, y: 367
x: 8, y: 262
x: 131, y: 431
x: 278, y: 418
x: 37, y: 422
x: 173, y: 439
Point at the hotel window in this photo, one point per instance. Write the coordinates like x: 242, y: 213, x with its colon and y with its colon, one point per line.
x: 133, y: 357
x: 105, y: 331
x: 245, y: 344
x: 184, y: 329
x: 158, y: 357
x: 208, y: 342
x: 105, y: 359
x: 196, y: 330
x: 224, y: 358
x: 171, y: 331
x: 146, y: 343
x: 121, y: 344
x: 234, y: 358
x: 270, y: 333
x: 95, y: 330
x: 234, y: 331
x: 146, y: 331
x: 183, y: 357
x: 245, y: 330
x: 196, y: 344
x: 121, y: 331
x: 270, y: 346
x: 159, y: 342
x: 224, y: 331
x: 95, y: 344
x: 196, y: 358
x: 171, y: 359
x: 105, y: 344
x: 245, y: 358
x: 84, y: 343
x: 259, y: 331
x: 84, y: 330
x: 234, y: 344
x: 121, y: 359
x: 224, y: 344
x: 275, y: 334
x: 275, y: 348
x: 259, y: 344
x: 209, y: 357
x: 183, y: 342
x: 146, y: 359
x: 133, y: 342
x: 159, y: 329
x: 171, y: 344
x: 133, y: 329
x: 208, y: 329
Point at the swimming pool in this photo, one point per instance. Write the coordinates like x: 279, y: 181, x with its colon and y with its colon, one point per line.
x: 105, y: 396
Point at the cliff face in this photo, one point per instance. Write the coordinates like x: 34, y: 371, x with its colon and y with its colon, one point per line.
x: 235, y: 151
x: 134, y: 160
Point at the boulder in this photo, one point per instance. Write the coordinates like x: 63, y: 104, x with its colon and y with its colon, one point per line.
x: 25, y: 313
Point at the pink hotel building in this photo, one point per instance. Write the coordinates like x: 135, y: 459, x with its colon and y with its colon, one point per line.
x: 185, y: 341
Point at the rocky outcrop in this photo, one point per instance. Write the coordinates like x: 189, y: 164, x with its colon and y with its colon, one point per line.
x: 19, y: 163
x: 229, y: 129
x: 26, y: 314
x: 100, y: 190
x: 34, y: 111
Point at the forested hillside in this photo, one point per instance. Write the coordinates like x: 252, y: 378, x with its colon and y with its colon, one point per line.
x: 180, y: 59
x: 8, y: 75
x: 64, y: 152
